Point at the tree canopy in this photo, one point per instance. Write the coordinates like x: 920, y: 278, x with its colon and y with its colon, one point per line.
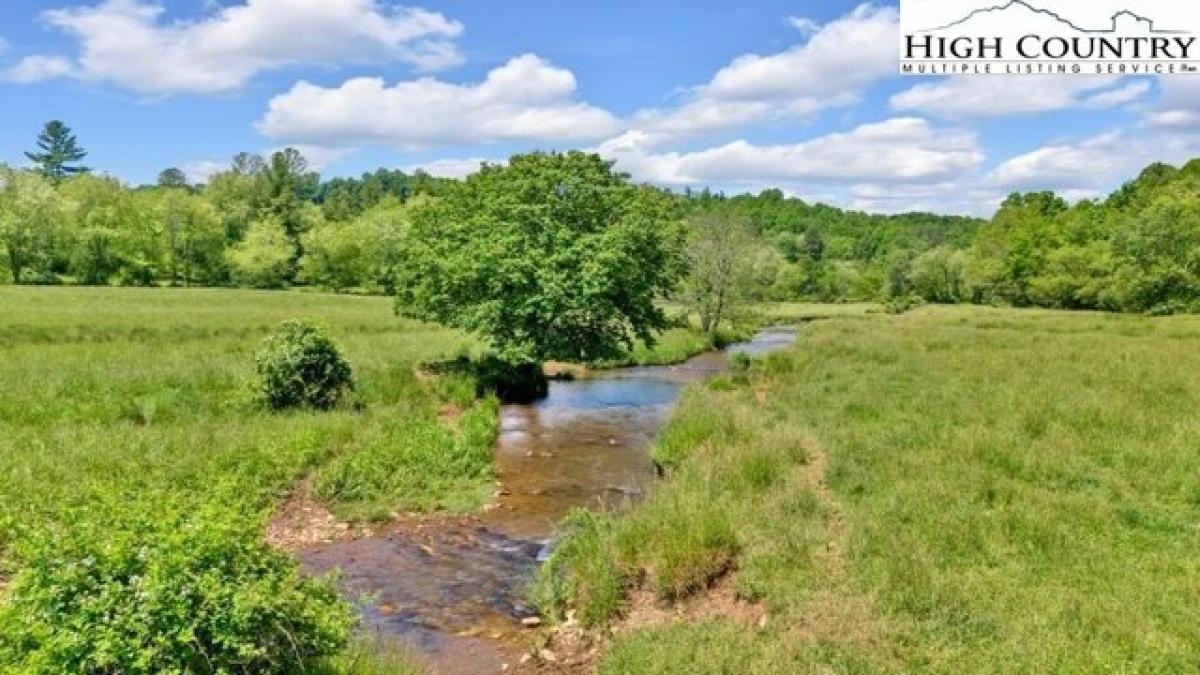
x: 561, y: 219
x: 553, y: 256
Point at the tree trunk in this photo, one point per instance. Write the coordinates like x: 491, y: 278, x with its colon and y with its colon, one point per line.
x: 14, y: 264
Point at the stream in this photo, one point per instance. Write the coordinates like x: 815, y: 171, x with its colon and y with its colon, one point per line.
x: 454, y: 588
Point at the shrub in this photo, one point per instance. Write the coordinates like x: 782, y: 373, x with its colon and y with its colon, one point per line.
x: 904, y: 303
x: 300, y: 366
x: 188, y: 592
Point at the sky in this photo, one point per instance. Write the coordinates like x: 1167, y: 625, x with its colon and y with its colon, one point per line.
x: 804, y: 96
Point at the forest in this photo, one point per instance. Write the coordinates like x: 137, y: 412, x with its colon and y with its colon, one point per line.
x: 270, y: 222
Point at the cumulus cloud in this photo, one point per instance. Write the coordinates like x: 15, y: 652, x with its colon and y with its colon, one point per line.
x: 829, y: 69
x: 526, y: 99
x: 37, y: 68
x: 1094, y: 165
x: 129, y: 43
x: 895, y: 150
x: 995, y: 96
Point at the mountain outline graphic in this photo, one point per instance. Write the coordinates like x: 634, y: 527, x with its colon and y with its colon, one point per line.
x: 1058, y: 17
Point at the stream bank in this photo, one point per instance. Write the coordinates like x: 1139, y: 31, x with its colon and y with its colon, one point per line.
x: 454, y: 587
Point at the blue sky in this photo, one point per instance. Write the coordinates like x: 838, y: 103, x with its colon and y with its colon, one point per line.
x: 738, y: 96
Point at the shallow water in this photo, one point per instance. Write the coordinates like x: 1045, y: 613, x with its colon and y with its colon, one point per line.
x: 455, y: 588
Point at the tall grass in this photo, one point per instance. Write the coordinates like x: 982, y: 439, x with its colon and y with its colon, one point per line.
x: 952, y: 490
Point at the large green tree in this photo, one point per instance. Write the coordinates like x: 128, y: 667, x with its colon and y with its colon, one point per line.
x: 554, y: 256
x: 59, y: 152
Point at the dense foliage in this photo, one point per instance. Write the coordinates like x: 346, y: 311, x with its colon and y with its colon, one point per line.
x: 168, y: 588
x: 553, y: 256
x: 298, y: 366
x: 263, y: 223
x: 271, y: 223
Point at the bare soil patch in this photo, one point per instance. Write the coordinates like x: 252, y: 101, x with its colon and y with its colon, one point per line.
x: 302, y: 521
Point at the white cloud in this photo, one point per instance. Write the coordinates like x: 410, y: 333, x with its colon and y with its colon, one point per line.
x: 1179, y: 105
x: 965, y: 195
x: 998, y: 96
x: 526, y: 99
x: 128, y: 42
x: 319, y: 157
x: 451, y: 168
x: 37, y: 69
x: 805, y: 25
x: 830, y: 69
x: 1094, y: 165
x: 896, y: 150
x: 200, y: 171
x: 855, y: 50
x: 1120, y: 96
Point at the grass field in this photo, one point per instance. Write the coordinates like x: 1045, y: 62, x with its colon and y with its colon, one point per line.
x: 140, y: 390
x: 954, y: 490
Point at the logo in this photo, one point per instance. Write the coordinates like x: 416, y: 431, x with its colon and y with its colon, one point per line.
x: 1035, y: 37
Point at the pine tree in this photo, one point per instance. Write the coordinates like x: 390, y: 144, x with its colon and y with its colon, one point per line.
x: 59, y: 151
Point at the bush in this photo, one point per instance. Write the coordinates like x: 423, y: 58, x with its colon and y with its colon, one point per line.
x: 189, y: 592
x: 904, y: 303
x: 300, y: 366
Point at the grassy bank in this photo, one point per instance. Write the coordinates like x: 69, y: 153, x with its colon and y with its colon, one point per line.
x: 677, y: 345
x: 952, y: 490
x: 681, y: 343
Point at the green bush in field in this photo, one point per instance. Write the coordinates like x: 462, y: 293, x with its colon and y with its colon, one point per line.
x: 192, y: 592
x: 299, y: 366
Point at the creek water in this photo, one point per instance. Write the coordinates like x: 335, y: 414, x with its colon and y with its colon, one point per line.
x: 455, y: 588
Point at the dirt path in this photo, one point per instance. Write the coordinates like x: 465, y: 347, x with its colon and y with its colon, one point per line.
x: 838, y: 611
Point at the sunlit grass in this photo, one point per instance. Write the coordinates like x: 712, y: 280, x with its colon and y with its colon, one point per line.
x: 952, y: 490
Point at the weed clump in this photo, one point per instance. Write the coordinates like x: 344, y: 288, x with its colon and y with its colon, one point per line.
x: 298, y: 366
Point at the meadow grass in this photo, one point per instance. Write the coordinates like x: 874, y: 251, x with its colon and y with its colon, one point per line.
x: 122, y: 407
x: 791, y: 312
x: 950, y: 490
x: 128, y: 389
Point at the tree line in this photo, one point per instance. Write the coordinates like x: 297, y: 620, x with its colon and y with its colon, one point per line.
x: 270, y: 222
